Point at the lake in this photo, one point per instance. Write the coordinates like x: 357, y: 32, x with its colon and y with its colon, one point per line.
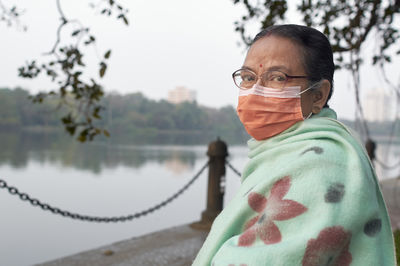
x: 96, y: 179
x: 103, y: 179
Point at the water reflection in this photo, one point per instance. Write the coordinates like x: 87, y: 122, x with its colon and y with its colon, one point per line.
x: 389, y: 155
x: 100, y: 179
x: 18, y: 148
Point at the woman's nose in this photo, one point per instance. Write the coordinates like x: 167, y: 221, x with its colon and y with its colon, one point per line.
x: 259, y: 81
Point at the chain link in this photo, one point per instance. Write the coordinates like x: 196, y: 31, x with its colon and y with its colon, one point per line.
x: 233, y: 168
x: 54, y: 210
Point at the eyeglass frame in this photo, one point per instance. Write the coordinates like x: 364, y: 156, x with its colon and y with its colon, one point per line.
x: 258, y: 76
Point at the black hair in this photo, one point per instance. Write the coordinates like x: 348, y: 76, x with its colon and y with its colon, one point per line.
x: 317, y: 51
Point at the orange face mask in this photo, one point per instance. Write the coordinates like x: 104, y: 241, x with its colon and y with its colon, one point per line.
x: 266, y: 112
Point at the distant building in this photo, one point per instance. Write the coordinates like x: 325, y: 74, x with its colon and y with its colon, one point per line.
x: 181, y: 94
x: 377, y: 106
x: 176, y: 165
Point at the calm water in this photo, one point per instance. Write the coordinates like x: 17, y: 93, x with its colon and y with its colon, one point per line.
x: 95, y: 179
x: 102, y: 180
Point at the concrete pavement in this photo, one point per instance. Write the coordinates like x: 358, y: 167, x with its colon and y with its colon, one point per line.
x: 391, y: 193
x: 176, y: 246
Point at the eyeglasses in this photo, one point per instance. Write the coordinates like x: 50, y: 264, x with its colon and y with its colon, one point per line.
x: 245, y: 79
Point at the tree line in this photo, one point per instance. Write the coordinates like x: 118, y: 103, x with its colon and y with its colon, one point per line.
x: 131, y: 117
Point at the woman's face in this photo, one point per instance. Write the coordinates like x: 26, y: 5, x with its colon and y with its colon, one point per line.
x: 278, y: 53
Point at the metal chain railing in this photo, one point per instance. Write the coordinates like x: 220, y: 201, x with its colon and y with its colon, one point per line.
x: 233, y: 168
x: 54, y: 210
x: 385, y: 166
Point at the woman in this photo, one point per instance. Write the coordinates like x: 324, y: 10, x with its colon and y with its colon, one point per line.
x: 309, y: 195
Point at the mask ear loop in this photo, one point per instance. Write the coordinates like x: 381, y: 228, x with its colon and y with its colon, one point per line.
x: 309, y: 115
x: 311, y: 87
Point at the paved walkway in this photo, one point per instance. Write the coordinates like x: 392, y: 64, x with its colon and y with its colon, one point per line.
x: 391, y: 193
x: 173, y: 247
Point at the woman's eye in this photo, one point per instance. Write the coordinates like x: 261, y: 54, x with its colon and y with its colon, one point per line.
x: 277, y: 78
x: 248, y: 78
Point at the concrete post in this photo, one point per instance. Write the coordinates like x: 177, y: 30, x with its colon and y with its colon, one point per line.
x: 370, y: 146
x: 217, y: 153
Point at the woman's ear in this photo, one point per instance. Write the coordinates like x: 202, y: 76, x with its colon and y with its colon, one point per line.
x: 320, y: 96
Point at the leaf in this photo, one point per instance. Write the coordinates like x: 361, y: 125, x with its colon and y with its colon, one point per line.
x: 91, y: 39
x: 96, y: 115
x: 66, y: 119
x: 125, y: 20
x: 107, y: 54
x: 71, y: 130
x: 77, y: 73
x: 103, y: 68
x: 81, y: 138
x: 106, y: 133
x: 75, y: 32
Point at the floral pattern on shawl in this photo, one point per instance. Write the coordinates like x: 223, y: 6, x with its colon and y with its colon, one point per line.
x: 330, y: 248
x: 270, y: 209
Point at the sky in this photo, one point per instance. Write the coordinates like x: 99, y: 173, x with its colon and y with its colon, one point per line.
x: 167, y: 44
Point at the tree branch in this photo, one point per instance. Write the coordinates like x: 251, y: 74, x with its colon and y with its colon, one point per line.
x: 60, y: 11
x: 58, y: 40
x: 372, y: 22
x: 81, y: 96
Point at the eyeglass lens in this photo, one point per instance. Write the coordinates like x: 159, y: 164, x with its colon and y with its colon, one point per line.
x: 246, y: 79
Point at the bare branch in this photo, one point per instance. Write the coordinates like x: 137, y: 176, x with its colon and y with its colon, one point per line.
x: 61, y: 12
x: 58, y: 40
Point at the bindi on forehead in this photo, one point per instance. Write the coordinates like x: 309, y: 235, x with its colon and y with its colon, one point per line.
x: 260, y: 65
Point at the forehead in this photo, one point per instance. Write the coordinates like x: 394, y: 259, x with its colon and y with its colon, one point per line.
x: 273, y: 52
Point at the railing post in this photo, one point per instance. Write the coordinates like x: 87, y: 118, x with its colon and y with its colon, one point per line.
x: 217, y: 153
x: 370, y: 146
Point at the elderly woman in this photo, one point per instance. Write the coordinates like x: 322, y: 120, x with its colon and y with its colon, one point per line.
x: 309, y: 195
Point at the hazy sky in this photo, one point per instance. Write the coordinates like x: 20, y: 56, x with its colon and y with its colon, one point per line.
x: 168, y: 43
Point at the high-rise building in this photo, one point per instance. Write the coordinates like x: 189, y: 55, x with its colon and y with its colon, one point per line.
x: 181, y: 94
x: 377, y: 106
